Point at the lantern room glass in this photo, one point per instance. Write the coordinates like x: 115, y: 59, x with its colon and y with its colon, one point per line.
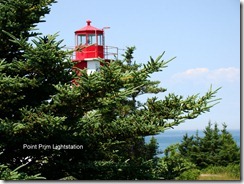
x: 100, y: 39
x: 81, y: 40
x: 91, y: 39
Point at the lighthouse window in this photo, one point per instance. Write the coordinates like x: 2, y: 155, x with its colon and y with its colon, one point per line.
x: 81, y: 39
x: 100, y: 39
x: 91, y: 39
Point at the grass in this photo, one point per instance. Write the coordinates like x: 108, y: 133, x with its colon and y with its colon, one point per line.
x: 231, y: 172
x: 221, y: 176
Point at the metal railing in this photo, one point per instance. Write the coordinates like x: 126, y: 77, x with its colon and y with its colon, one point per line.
x: 110, y: 52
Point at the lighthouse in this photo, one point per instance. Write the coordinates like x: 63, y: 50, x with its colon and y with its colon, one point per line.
x: 89, y: 48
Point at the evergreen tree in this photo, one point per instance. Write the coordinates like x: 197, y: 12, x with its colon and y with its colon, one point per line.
x: 229, y: 151
x: 100, y: 113
x: 216, y: 147
x: 210, y: 145
x: 19, y: 17
x: 194, y: 153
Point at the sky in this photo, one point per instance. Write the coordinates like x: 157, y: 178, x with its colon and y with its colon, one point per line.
x: 204, y: 35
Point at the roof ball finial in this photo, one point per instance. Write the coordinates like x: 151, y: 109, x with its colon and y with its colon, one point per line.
x: 88, y: 22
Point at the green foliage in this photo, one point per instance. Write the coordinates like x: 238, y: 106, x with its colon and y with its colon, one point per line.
x: 215, y: 152
x: 31, y: 81
x: 232, y: 170
x: 214, y: 148
x: 8, y: 174
x: 129, y: 55
x: 19, y: 18
x: 191, y: 174
x: 41, y: 106
x: 172, y: 165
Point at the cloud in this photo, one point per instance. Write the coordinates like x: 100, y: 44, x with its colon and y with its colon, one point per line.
x: 230, y: 74
x: 195, y: 72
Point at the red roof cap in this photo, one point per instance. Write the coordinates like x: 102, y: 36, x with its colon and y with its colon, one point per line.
x: 89, y: 28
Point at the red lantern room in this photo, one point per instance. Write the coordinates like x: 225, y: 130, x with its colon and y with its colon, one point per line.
x: 89, y: 47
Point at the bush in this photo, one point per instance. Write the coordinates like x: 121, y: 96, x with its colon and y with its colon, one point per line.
x: 173, y: 164
x: 234, y: 170
x: 214, y: 169
x: 191, y: 174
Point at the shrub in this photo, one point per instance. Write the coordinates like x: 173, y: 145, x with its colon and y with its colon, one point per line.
x: 173, y: 164
x: 191, y: 174
x: 234, y: 170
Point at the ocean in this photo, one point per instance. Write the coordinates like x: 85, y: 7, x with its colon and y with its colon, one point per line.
x: 172, y: 136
